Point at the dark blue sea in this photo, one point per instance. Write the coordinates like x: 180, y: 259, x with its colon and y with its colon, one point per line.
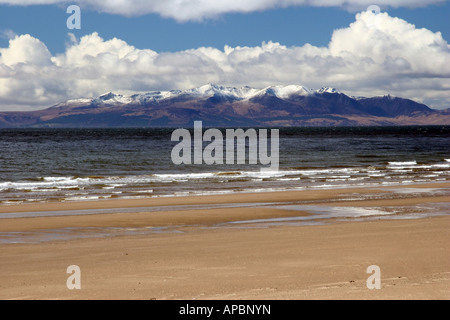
x: 42, y: 165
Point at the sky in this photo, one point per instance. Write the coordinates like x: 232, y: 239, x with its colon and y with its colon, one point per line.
x: 140, y: 46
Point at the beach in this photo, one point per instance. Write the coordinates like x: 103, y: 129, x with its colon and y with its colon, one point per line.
x: 227, y: 152
x: 309, y: 244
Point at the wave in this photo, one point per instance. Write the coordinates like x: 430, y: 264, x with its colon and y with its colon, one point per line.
x: 444, y: 165
x: 405, y: 163
x: 161, y: 184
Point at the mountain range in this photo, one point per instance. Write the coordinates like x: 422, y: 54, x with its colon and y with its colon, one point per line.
x: 219, y: 106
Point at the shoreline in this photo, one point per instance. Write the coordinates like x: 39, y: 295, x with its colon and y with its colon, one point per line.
x: 239, y: 197
x: 279, y: 251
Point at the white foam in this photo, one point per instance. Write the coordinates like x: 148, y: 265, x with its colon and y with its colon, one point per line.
x: 289, y: 179
x: 445, y: 165
x: 46, y: 183
x: 377, y: 174
x: 406, y: 163
x: 81, y: 198
x: 315, y: 172
x: 218, y: 192
x: 389, y: 183
x: 325, y: 186
x: 144, y: 191
x: 184, y: 176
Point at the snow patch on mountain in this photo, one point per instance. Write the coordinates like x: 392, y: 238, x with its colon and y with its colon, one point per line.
x: 112, y: 98
x: 285, y: 92
x: 203, y: 92
x: 328, y: 90
x: 155, y: 96
x: 211, y: 90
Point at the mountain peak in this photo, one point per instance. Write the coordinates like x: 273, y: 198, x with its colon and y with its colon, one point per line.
x: 208, y: 89
x: 328, y: 90
x: 111, y: 98
x: 108, y: 96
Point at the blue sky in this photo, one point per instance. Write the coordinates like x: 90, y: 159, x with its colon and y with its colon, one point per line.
x: 138, y: 46
x: 289, y: 26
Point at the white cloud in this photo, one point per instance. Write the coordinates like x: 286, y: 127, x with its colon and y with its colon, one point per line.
x: 184, y: 10
x: 7, y: 34
x: 376, y: 54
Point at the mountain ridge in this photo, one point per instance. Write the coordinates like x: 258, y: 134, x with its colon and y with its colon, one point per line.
x: 215, y: 105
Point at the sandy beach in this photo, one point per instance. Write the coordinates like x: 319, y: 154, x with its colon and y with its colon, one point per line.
x: 281, y: 245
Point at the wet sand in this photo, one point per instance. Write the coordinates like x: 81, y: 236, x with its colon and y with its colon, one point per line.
x: 204, y: 253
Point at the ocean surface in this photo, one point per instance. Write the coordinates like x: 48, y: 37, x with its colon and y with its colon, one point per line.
x: 42, y: 165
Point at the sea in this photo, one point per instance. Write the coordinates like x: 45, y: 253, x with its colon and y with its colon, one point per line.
x: 64, y: 165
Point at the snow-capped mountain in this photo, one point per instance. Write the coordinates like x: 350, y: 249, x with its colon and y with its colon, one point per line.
x: 291, y: 105
x: 203, y: 92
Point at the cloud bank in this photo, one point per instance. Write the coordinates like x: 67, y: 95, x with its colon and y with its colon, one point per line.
x: 185, y: 10
x: 375, y: 55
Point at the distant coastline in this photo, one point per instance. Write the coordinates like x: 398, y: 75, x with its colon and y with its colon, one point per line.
x: 218, y: 106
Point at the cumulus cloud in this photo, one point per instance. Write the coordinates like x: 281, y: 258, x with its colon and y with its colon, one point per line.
x: 184, y: 10
x: 376, y: 54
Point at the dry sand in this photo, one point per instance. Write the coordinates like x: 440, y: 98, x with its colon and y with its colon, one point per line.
x: 204, y: 261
